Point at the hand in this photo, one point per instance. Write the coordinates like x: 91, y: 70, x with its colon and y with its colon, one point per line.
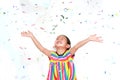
x: 27, y: 34
x: 95, y: 38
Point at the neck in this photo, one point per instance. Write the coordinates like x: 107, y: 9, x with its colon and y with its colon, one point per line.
x: 60, y: 51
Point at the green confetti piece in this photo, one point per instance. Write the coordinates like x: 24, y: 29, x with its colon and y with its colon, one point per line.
x: 43, y: 75
x: 38, y: 59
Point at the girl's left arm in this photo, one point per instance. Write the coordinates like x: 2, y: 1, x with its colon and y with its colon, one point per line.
x: 85, y: 41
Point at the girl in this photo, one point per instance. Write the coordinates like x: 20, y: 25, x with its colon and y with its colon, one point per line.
x: 61, y: 65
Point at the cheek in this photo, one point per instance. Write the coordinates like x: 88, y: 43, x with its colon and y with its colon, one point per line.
x: 55, y: 42
x: 64, y: 42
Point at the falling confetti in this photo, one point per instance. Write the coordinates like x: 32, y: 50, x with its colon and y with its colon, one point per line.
x: 77, y: 19
x: 29, y: 58
x: 42, y: 28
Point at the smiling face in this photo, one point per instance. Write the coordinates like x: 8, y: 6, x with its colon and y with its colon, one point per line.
x: 62, y: 42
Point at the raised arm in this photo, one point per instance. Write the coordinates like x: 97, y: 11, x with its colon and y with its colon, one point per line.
x: 85, y: 41
x: 36, y: 42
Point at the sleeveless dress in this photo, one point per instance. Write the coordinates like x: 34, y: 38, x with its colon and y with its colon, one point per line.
x: 61, y: 67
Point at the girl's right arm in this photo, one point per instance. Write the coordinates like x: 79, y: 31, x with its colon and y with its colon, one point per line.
x: 36, y: 42
x: 85, y: 41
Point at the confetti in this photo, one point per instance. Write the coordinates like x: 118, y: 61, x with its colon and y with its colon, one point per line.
x: 117, y: 14
x: 42, y: 28
x: 62, y: 16
x: 29, y: 58
x: 4, y: 12
x: 23, y: 67
x: 33, y: 25
x: 66, y: 9
x: 43, y: 75
x: 105, y: 72
x: 37, y: 59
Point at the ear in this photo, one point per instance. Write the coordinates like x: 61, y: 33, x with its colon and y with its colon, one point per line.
x: 68, y: 46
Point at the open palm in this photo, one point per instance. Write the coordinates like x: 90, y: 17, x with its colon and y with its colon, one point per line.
x: 26, y: 34
x: 95, y: 38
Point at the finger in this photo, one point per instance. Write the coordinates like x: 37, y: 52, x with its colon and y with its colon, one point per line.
x: 100, y: 40
x: 23, y: 33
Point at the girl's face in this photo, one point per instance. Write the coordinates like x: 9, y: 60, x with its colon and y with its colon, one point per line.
x: 61, y: 41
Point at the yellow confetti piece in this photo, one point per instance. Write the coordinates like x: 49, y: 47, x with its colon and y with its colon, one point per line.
x: 117, y: 14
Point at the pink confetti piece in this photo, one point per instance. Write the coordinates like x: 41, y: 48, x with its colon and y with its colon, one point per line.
x: 95, y: 22
x: 33, y: 25
x: 70, y: 2
x: 21, y: 47
x: 42, y: 28
x: 29, y: 58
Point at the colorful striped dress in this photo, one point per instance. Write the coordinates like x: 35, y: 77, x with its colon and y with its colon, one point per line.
x: 61, y: 67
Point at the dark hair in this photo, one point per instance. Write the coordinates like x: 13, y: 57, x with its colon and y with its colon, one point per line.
x: 68, y: 41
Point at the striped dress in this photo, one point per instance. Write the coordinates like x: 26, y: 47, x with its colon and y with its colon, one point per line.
x: 61, y: 67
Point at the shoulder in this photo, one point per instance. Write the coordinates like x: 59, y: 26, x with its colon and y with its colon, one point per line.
x: 70, y: 52
x: 52, y: 53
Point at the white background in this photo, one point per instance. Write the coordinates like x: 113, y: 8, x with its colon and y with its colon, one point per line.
x: 21, y: 60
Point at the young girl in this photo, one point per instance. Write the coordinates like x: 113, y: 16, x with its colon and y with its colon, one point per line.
x: 61, y: 65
